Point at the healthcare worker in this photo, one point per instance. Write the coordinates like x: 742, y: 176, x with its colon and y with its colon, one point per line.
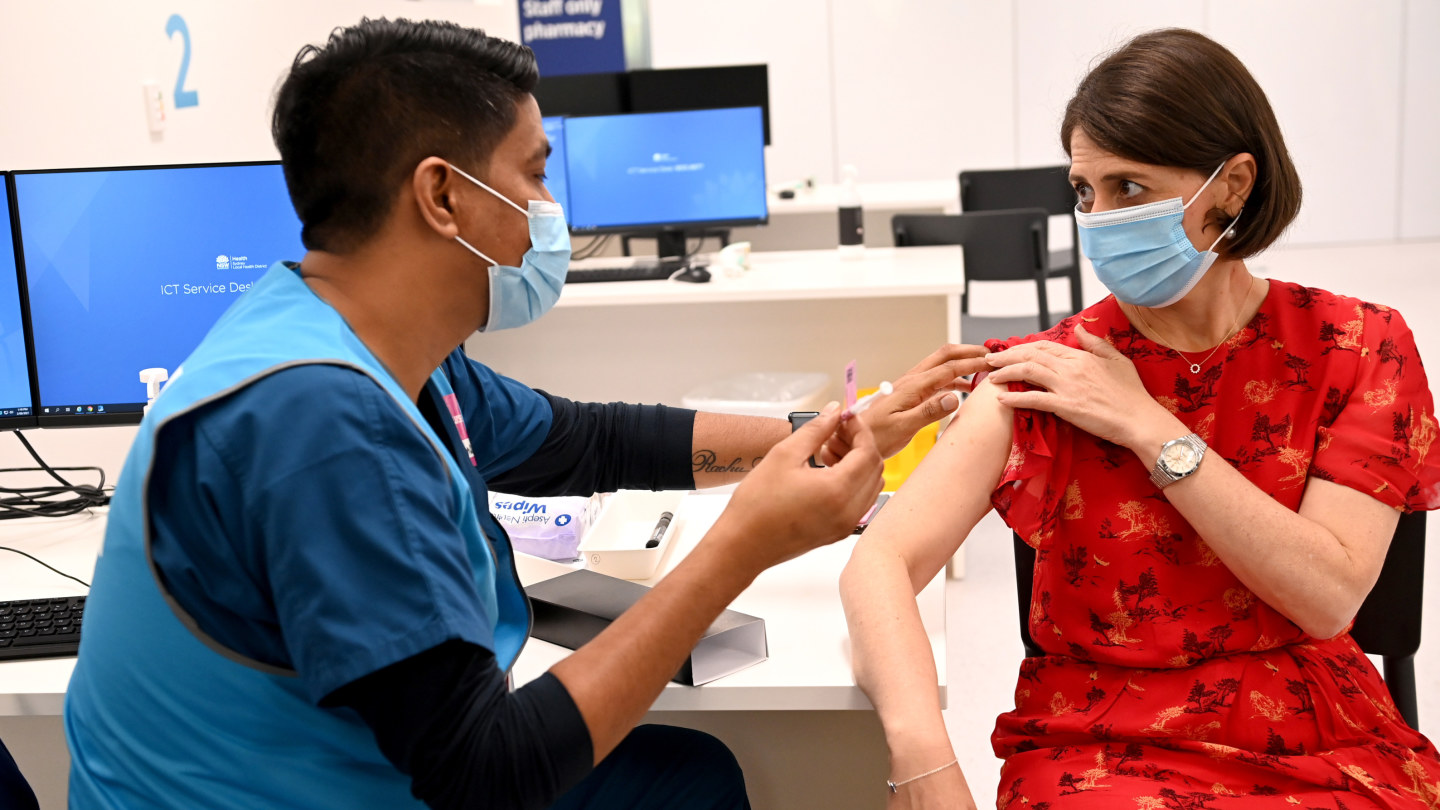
x: 302, y: 600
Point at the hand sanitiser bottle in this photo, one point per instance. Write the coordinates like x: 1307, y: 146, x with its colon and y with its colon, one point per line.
x: 852, y: 218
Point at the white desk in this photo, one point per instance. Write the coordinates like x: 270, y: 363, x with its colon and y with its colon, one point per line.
x: 941, y: 196
x: 809, y: 664
x: 71, y: 545
x: 795, y: 716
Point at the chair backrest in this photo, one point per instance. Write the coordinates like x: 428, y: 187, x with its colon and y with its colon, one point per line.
x: 998, y: 245
x: 1388, y: 624
x: 1024, y: 588
x: 1046, y: 187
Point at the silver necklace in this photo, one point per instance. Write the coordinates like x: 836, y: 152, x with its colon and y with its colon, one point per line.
x: 1234, y: 327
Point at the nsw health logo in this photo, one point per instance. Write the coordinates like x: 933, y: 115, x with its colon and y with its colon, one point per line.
x: 222, y: 262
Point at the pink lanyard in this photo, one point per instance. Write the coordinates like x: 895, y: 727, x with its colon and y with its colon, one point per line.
x: 453, y: 404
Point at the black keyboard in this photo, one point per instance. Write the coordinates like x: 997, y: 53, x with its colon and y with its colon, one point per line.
x: 643, y: 271
x: 40, y: 628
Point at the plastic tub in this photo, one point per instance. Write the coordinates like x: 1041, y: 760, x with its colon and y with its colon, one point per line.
x: 761, y: 393
x: 617, y: 543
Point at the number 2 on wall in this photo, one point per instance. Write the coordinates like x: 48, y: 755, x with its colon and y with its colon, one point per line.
x: 183, y: 97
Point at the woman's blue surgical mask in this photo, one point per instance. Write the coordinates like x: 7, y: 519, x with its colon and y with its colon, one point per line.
x: 519, y: 295
x: 1142, y: 255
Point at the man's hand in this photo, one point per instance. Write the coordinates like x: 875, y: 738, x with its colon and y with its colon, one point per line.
x: 786, y: 507
x: 924, y: 394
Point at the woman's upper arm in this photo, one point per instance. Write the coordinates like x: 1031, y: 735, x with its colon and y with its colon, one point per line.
x: 925, y: 522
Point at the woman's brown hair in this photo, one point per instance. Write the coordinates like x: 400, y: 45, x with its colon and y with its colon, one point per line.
x: 1178, y: 98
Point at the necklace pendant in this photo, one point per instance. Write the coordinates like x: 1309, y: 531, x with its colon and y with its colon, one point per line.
x: 1194, y: 368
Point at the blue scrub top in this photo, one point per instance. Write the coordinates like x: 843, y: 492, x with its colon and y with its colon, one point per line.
x: 341, y: 555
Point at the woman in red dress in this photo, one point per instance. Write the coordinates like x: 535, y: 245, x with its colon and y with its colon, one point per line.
x: 1210, y: 466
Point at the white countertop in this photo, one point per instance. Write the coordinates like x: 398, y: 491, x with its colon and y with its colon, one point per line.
x: 938, y: 195
x: 809, y: 664
x: 808, y: 669
x: 792, y: 275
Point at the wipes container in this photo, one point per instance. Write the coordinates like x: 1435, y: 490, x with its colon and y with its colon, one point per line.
x: 545, y: 527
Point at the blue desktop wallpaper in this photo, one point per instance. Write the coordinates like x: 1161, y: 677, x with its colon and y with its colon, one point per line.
x: 665, y: 168
x: 555, y: 166
x: 128, y: 269
x: 14, y: 368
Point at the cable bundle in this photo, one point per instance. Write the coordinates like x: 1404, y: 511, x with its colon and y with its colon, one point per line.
x: 50, y: 500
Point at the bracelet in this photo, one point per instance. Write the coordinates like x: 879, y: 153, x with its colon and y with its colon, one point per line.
x: 895, y: 786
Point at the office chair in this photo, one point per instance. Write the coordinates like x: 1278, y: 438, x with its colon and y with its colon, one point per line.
x: 1388, y: 624
x: 15, y: 792
x: 1046, y: 187
x: 998, y: 246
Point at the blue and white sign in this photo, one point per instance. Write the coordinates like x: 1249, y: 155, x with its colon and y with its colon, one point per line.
x: 574, y: 36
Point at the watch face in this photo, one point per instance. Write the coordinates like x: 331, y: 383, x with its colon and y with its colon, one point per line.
x: 1179, y: 458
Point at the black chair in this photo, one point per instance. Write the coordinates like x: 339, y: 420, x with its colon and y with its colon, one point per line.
x: 15, y: 792
x: 1388, y: 624
x: 1047, y: 187
x: 998, y: 246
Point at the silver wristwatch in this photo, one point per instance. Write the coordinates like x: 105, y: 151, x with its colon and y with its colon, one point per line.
x: 1178, y: 458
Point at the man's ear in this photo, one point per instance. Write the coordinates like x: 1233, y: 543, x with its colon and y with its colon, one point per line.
x: 433, y: 184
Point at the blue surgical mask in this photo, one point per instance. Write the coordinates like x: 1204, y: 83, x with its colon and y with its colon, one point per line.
x: 1142, y: 255
x: 519, y: 295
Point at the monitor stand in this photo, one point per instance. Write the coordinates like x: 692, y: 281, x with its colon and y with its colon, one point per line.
x: 670, y: 242
x: 670, y: 245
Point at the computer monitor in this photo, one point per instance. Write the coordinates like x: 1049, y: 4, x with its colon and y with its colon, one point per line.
x: 127, y: 269
x: 15, y: 402
x: 667, y: 173
x: 555, y: 165
x: 583, y: 94
x: 702, y: 88
x: 659, y: 90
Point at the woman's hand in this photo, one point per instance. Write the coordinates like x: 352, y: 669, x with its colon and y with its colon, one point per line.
x: 1094, y: 388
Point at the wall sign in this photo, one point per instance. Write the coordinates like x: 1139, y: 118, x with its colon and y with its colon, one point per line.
x: 183, y: 98
x: 574, y: 36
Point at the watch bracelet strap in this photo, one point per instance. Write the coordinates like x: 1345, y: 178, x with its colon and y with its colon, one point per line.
x: 1161, y: 479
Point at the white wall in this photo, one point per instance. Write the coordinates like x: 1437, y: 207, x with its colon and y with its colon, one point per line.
x: 1420, y: 130
x: 919, y: 89
x: 70, y: 95
x: 71, y: 73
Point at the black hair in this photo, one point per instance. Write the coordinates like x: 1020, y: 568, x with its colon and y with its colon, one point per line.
x: 356, y: 115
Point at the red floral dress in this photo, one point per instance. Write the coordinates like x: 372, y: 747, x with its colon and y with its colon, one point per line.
x: 1167, y: 683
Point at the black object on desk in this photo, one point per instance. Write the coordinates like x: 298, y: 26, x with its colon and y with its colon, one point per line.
x: 630, y: 271
x: 40, y: 628
x: 573, y: 608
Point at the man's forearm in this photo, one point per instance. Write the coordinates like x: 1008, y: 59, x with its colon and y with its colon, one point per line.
x: 725, y: 447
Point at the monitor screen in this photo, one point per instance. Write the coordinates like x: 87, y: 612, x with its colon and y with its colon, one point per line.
x: 127, y: 269
x: 674, y: 169
x: 15, y: 409
x: 702, y: 88
x: 555, y: 165
x: 658, y: 90
x: 583, y: 94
